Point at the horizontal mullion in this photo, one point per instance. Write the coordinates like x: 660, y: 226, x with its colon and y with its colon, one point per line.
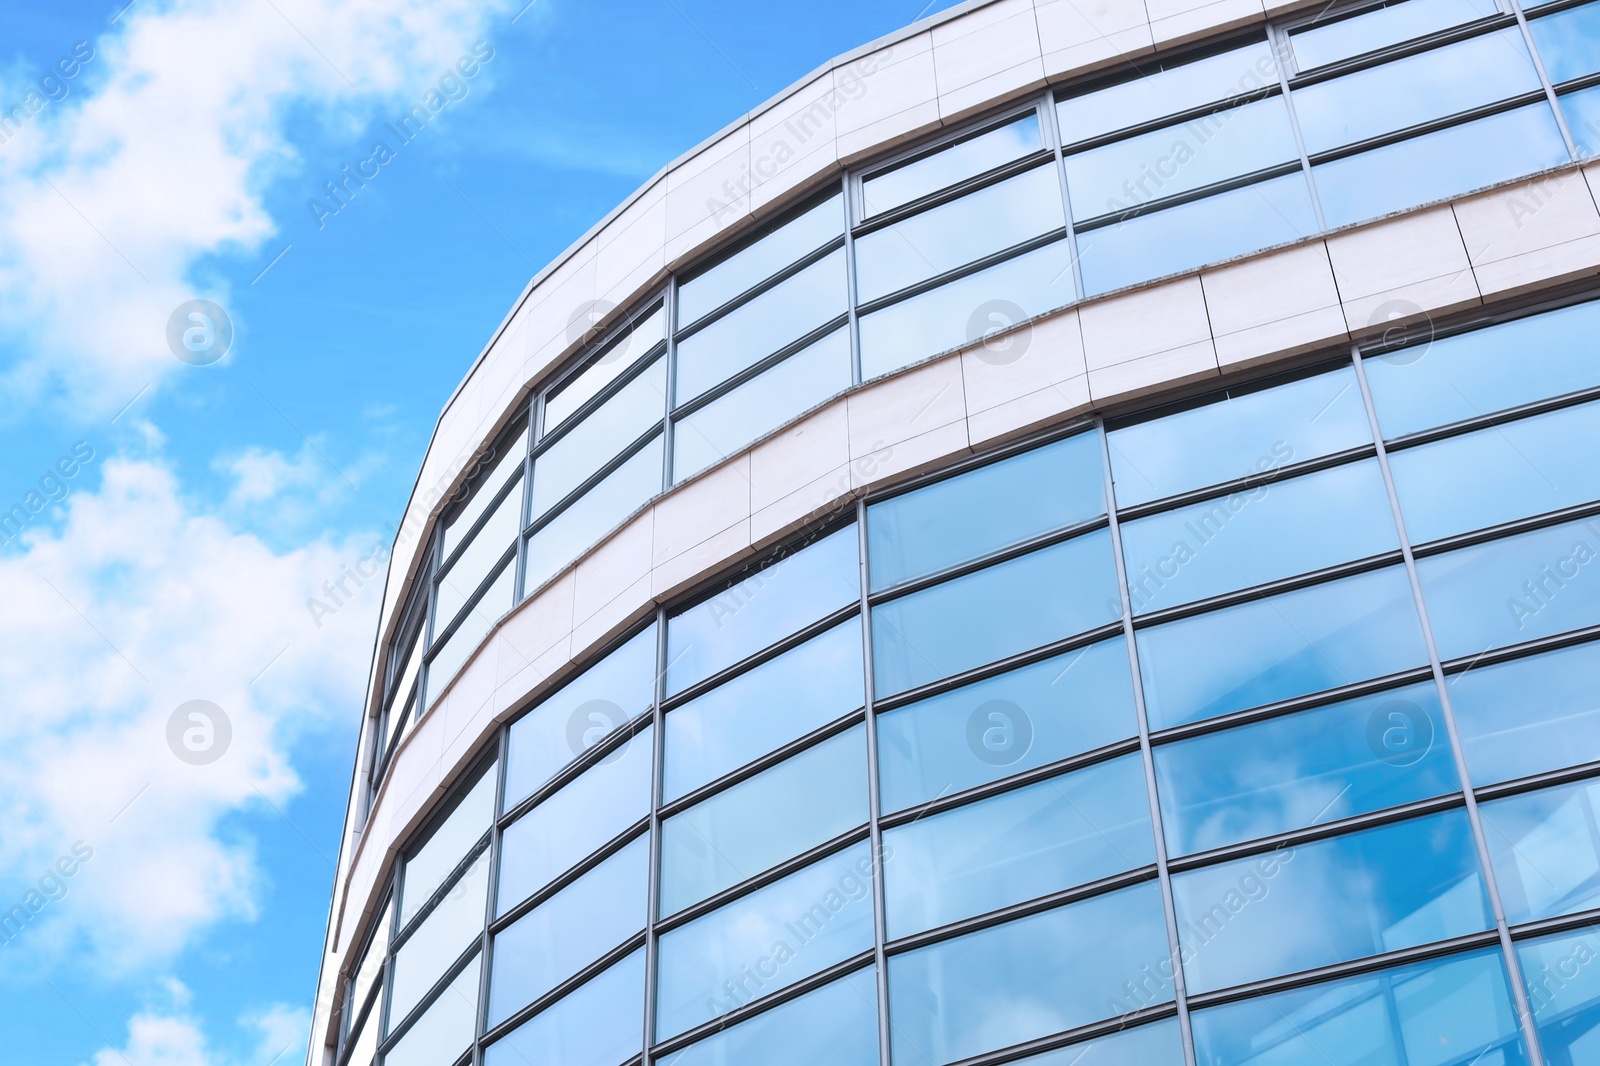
x: 1455, y: 668
x: 478, y: 849
x: 1083, y: 1033
x: 1565, y: 775
x: 532, y: 903
x: 990, y: 789
x: 771, y: 651
x: 477, y: 526
x: 1247, y: 483
x: 570, y: 984
x: 760, y: 366
x: 1271, y: 588
x: 1175, y: 118
x: 1584, y: 81
x: 1504, y: 530
x: 914, y: 585
x: 1032, y: 244
x: 580, y: 764
x: 1150, y: 207
x: 555, y: 509
x: 467, y: 607
x: 1459, y: 118
x: 765, y: 762
x: 451, y: 972
x: 987, y: 457
x: 1565, y: 923
x: 1402, y: 50
x: 598, y: 400
x: 811, y: 258
x: 1494, y: 418
x: 993, y: 176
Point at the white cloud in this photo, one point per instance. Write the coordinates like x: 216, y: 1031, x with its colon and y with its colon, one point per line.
x: 160, y: 156
x: 170, y: 1036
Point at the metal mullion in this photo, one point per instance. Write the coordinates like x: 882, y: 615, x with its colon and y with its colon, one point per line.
x: 430, y: 593
x: 1566, y: 923
x: 1247, y: 483
x: 1283, y: 53
x: 1401, y: 50
x: 880, y: 932
x: 761, y: 288
x: 767, y: 654
x: 564, y: 987
x: 1173, y: 118
x: 1544, y: 79
x: 1189, y: 196
x: 1458, y: 754
x: 760, y: 765
x: 938, y: 281
x: 1506, y: 530
x: 456, y: 968
x: 633, y: 448
x: 652, y: 949
x: 759, y: 367
x: 500, y: 495
x: 1572, y: 85
x: 1071, y: 1037
x: 1495, y: 418
x: 1565, y: 775
x: 1163, y: 873
x: 912, y: 586
x: 988, y: 457
x: 1433, y: 125
x: 491, y: 896
x: 853, y: 317
x: 1051, y: 127
x: 1494, y: 656
x: 535, y: 427
x: 950, y: 193
x: 471, y: 601
x: 501, y: 921
x: 404, y: 932
x: 595, y: 402
x: 1271, y: 588
x: 668, y: 437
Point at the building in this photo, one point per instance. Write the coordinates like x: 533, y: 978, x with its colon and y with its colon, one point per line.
x: 1069, y: 537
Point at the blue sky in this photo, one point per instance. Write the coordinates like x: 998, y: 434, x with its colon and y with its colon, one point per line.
x: 178, y: 161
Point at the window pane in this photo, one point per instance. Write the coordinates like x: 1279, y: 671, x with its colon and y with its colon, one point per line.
x: 1530, y: 715
x: 1545, y: 847
x: 1487, y: 370
x: 593, y: 515
x: 1174, y: 239
x: 1238, y: 435
x: 575, y: 717
x: 730, y: 422
x: 1582, y: 109
x: 1001, y: 986
x: 371, y: 964
x: 1257, y: 535
x: 1439, y: 165
x: 963, y: 160
x: 985, y: 510
x: 1020, y: 845
x: 363, y: 1043
x: 400, y: 690
x: 621, y: 354
x: 1568, y: 42
x: 1280, y: 647
x: 1380, y: 890
x: 590, y: 444
x: 1513, y: 590
x: 790, y: 593
x: 595, y: 808
x: 1156, y: 1044
x: 1167, y: 91
x: 755, y: 330
x: 445, y: 1030
x: 991, y: 729
x: 763, y: 709
x: 601, y: 1023
x: 452, y: 653
x: 836, y: 1024
x: 1001, y: 610
x: 743, y: 270
x: 1180, y: 158
x: 1564, y: 993
x: 1329, y: 42
x: 1454, y: 1010
x: 1316, y: 766
x: 443, y: 935
x: 1415, y: 89
x: 1498, y: 474
x: 504, y: 464
x: 481, y: 553
x: 570, y: 930
x: 802, y: 802
x: 426, y: 870
x: 964, y: 311
x: 765, y: 941
x: 958, y: 232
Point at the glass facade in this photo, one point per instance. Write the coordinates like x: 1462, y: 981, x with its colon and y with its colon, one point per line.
x: 1258, y: 730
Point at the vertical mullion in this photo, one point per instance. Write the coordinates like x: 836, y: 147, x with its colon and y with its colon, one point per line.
x: 492, y: 895
x: 653, y: 845
x: 1282, y: 56
x: 850, y: 186
x: 1047, y: 123
x: 429, y: 594
x: 1180, y: 993
x: 535, y: 427
x: 874, y: 829
x: 1513, y: 968
x: 670, y: 296
x: 1544, y: 79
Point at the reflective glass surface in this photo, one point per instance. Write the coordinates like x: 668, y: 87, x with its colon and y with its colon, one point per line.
x: 836, y: 1024
x: 1166, y: 89
x: 1155, y: 1044
x: 589, y: 811
x: 580, y: 714
x: 1564, y: 993
x: 1545, y: 847
x: 1241, y: 434
x: 787, y: 244
x: 570, y: 930
x: 1498, y: 474
x: 426, y: 870
x: 985, y: 510
x: 1020, y: 845
x: 995, y: 612
x: 763, y: 709
x: 620, y: 354
x: 1303, y: 769
x: 1529, y: 715
x: 1004, y: 985
x: 445, y: 1030
x: 1378, y: 890
x: 765, y: 941
x: 504, y: 464
x: 958, y: 232
x: 732, y: 421
x: 441, y: 937
x: 363, y: 1041
x: 788, y: 594
x: 453, y: 651
x: 1325, y: 42
x: 1452, y: 1010
x: 1568, y: 42
x: 371, y: 965
x: 1438, y: 382
x: 1515, y: 589
x: 1582, y: 110
x: 589, y: 444
x: 601, y: 1023
x: 1254, y: 536
x: 1280, y: 647
x: 592, y: 515
x: 469, y: 569
x: 1015, y: 721
x: 802, y: 802
x: 751, y: 332
x: 965, y: 159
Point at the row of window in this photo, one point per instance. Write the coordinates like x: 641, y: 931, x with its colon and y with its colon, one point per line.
x: 1214, y: 788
